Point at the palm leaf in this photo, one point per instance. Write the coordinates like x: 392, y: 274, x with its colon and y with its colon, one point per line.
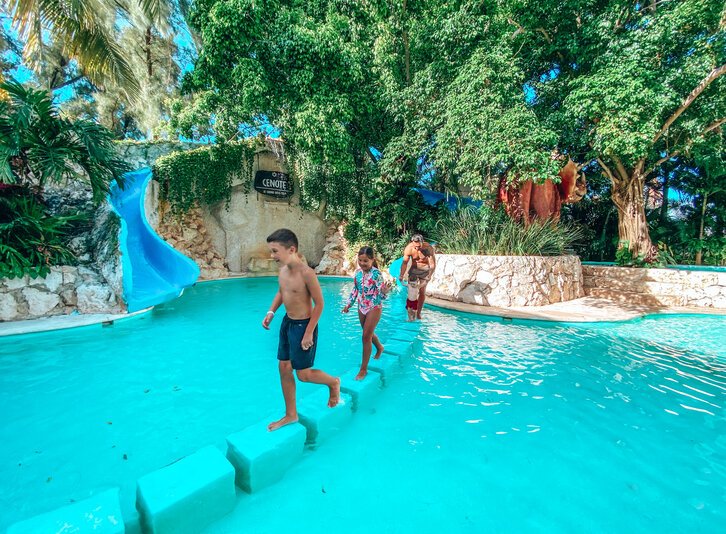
x: 82, y: 28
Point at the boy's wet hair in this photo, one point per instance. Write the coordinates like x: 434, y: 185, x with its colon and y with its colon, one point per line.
x: 418, y: 238
x: 285, y: 237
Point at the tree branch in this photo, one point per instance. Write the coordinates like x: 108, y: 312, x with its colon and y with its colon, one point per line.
x: 715, y: 73
x: 661, y: 160
x: 520, y: 29
x: 68, y: 82
x: 714, y: 125
x: 622, y: 172
x: 606, y: 169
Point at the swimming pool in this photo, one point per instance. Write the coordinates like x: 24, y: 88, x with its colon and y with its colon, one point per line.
x: 491, y: 424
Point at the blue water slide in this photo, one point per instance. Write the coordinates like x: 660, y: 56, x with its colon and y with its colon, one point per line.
x: 395, y: 269
x: 153, y: 271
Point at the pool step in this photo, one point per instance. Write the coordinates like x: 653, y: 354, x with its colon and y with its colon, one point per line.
x: 188, y: 495
x: 627, y: 297
x: 197, y: 490
x: 397, y: 347
x: 319, y: 420
x: 363, y: 392
x: 260, y: 457
x: 388, y: 364
x: 100, y: 514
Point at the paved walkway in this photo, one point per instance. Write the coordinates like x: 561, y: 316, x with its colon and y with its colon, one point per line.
x: 59, y: 322
x: 582, y: 310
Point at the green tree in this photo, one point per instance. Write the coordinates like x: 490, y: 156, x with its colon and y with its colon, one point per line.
x: 84, y: 31
x: 628, y: 84
x: 38, y: 146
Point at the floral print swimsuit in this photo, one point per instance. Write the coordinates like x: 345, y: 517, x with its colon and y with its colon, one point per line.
x: 367, y: 290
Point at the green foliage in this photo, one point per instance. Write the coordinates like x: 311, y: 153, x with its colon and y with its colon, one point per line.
x: 203, y: 176
x: 31, y: 241
x: 39, y: 146
x: 624, y: 257
x: 468, y: 230
x: 461, y: 93
x: 388, y: 217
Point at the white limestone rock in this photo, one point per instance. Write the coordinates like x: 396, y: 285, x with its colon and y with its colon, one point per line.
x: 8, y: 307
x: 95, y: 298
x: 40, y: 302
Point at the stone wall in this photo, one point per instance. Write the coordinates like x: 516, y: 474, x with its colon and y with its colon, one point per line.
x: 506, y: 280
x: 239, y: 229
x: 189, y: 236
x: 656, y: 287
x: 335, y: 253
x: 66, y: 289
x: 144, y: 154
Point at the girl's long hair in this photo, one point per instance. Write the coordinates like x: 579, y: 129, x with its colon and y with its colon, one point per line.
x: 368, y: 251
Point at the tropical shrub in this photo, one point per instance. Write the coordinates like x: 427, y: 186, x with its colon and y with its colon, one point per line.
x: 203, y: 176
x: 31, y: 241
x: 38, y: 146
x: 488, y: 231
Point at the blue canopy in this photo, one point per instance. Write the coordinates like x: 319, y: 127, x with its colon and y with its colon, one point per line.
x: 452, y: 202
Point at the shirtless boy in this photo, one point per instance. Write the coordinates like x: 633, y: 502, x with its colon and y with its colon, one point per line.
x: 423, y: 262
x: 298, y: 290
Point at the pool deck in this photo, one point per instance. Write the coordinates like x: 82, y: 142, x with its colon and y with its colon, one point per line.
x: 582, y: 310
x: 59, y: 322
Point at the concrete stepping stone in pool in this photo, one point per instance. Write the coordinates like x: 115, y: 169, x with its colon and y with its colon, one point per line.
x: 100, y: 514
x: 363, y: 392
x: 401, y: 334
x: 261, y: 457
x: 188, y: 495
x: 387, y: 365
x: 397, y: 347
x: 319, y: 420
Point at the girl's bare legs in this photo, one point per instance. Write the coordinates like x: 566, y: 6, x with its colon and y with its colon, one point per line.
x: 369, y: 323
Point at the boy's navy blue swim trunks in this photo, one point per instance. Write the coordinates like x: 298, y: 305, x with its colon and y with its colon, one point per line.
x: 291, y: 334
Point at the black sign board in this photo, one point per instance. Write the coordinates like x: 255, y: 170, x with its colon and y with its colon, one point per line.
x: 274, y: 184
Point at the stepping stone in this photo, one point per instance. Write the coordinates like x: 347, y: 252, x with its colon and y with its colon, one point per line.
x: 188, y: 495
x: 386, y: 365
x: 401, y: 334
x: 397, y: 347
x: 413, y: 326
x: 261, y: 457
x: 363, y: 392
x: 100, y: 514
x: 320, y: 420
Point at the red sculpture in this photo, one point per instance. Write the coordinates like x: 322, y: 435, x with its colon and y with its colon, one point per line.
x: 527, y: 201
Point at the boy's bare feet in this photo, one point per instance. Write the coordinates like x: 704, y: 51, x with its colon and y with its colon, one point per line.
x: 334, y: 394
x: 287, y: 420
x: 378, y: 353
x: 361, y: 374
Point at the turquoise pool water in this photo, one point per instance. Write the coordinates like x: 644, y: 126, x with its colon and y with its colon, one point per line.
x: 490, y: 425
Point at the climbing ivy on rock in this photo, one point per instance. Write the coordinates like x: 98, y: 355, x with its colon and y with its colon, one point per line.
x: 203, y: 176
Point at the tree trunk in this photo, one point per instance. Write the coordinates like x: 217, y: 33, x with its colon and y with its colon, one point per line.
x: 699, y: 252
x: 632, y: 225
x: 664, y: 202
x: 149, y: 64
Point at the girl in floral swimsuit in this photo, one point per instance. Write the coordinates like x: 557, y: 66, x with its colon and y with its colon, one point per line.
x: 369, y: 292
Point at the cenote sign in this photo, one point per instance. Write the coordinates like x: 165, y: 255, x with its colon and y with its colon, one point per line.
x: 274, y: 184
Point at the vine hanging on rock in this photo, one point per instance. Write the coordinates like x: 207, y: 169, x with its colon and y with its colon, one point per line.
x: 203, y: 176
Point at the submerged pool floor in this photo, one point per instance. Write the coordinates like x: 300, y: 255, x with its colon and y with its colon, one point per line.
x: 490, y: 424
